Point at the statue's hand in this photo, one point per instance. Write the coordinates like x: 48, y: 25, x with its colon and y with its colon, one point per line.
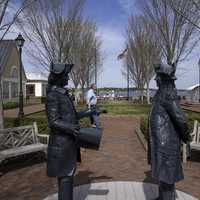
x: 75, y: 129
x: 187, y: 138
x: 104, y: 111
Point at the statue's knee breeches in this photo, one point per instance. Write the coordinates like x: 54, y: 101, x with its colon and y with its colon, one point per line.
x: 167, y: 191
x: 65, y: 188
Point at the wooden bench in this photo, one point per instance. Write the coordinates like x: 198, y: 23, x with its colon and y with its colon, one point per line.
x: 195, y: 143
x: 21, y: 140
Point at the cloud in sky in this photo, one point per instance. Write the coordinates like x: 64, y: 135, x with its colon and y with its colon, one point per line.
x: 129, y: 6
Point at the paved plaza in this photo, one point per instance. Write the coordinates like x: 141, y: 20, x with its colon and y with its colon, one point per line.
x: 119, y: 191
x: 120, y: 158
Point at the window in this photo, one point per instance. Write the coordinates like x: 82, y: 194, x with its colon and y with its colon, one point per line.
x: 44, y: 88
x: 5, y: 89
x: 30, y: 90
x: 14, y: 73
x: 14, y: 90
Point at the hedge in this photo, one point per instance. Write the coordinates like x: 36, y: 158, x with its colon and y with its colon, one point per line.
x: 191, y: 116
x: 41, y: 122
x: 10, y: 105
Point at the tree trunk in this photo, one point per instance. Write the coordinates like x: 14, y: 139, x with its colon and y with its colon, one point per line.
x: 148, y: 94
x: 83, y: 94
x: 76, y: 95
x: 1, y: 107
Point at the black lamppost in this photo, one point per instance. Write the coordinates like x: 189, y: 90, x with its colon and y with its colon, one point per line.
x: 20, y: 42
x: 199, y: 79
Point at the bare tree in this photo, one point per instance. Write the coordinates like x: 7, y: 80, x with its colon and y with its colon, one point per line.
x: 88, y: 53
x: 62, y: 35
x: 85, y: 53
x: 7, y: 19
x: 9, y: 13
x: 143, y: 51
x: 177, y: 35
x: 194, y: 8
x: 48, y: 26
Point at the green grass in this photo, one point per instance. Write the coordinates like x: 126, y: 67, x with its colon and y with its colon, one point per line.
x: 122, y: 108
x: 125, y: 108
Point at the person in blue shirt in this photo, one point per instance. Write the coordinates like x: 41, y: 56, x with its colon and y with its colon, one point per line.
x: 91, y: 100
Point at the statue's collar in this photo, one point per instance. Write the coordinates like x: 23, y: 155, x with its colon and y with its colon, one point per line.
x: 60, y: 89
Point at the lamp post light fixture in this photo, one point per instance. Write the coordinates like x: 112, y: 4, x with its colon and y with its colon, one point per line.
x: 20, y: 43
x: 199, y: 79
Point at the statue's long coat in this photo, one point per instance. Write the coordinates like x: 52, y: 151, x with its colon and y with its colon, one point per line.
x: 62, y: 148
x: 167, y: 128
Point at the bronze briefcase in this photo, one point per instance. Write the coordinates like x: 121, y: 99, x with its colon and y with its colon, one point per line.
x: 90, y: 138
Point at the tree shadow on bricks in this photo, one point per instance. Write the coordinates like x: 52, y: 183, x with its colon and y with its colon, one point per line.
x: 85, y: 177
x: 22, y: 161
x: 84, y: 180
x: 195, y: 156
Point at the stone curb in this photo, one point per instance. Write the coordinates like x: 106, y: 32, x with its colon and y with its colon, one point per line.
x: 141, y: 138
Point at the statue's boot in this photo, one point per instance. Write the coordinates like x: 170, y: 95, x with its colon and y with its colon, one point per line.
x: 65, y: 188
x: 167, y: 191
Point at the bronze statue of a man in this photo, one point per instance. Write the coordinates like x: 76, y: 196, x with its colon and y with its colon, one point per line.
x: 64, y: 127
x: 167, y: 129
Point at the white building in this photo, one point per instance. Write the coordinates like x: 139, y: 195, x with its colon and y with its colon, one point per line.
x: 193, y: 92
x: 36, y: 86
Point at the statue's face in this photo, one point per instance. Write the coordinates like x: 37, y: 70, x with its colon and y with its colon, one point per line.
x: 158, y: 81
x: 65, y: 80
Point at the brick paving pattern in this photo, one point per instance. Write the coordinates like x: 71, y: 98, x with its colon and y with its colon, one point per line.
x: 191, y: 107
x: 121, y: 158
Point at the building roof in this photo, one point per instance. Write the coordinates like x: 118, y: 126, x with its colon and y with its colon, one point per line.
x: 193, y: 87
x: 36, y: 77
x: 6, y: 47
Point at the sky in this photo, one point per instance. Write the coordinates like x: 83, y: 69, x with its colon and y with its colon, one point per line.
x: 111, y: 17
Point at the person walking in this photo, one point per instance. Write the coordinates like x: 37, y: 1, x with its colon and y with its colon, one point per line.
x: 91, y: 99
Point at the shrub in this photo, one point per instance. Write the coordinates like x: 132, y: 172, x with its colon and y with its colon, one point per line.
x: 10, y: 105
x: 15, y: 122
x: 144, y: 126
x: 41, y: 120
x: 191, y: 116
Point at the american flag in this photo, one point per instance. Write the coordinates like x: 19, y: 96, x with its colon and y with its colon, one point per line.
x: 123, y: 54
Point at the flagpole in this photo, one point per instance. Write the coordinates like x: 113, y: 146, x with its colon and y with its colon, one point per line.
x: 121, y: 56
x: 128, y: 83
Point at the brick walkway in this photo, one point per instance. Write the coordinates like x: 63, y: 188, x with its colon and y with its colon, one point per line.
x: 191, y: 107
x: 121, y: 158
x: 27, y: 110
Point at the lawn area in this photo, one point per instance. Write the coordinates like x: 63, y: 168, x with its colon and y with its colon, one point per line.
x: 114, y: 108
x: 125, y: 108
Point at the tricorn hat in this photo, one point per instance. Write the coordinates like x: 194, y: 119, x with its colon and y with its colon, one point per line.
x: 60, y: 68
x: 165, y: 70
